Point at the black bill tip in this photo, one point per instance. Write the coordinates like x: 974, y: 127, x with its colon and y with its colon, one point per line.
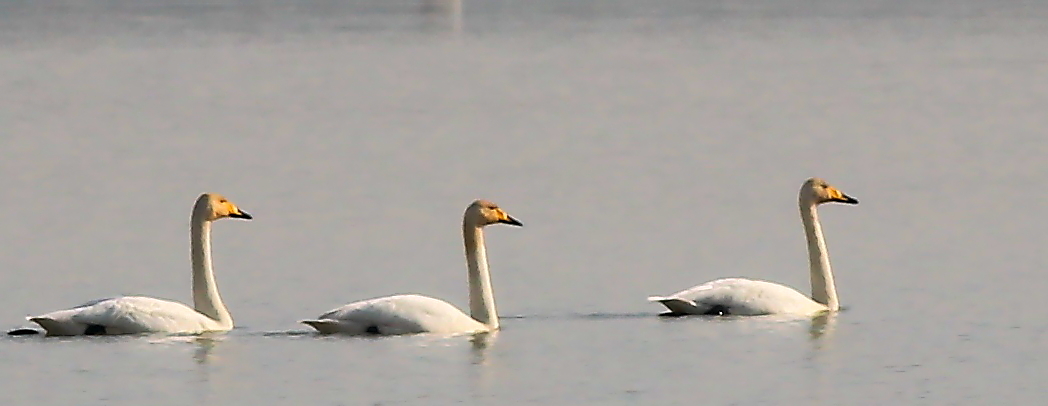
x: 511, y: 221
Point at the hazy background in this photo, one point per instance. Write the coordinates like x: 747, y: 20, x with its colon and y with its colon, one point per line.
x: 647, y: 146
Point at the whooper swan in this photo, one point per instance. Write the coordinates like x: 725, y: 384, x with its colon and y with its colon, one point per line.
x: 412, y: 314
x: 746, y: 297
x: 138, y: 314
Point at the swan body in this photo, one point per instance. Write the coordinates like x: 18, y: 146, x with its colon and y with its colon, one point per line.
x: 396, y: 315
x: 739, y: 297
x: 414, y: 314
x: 126, y: 315
x: 748, y: 297
x: 138, y: 314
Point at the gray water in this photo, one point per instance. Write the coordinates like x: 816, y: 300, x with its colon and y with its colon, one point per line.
x: 647, y: 147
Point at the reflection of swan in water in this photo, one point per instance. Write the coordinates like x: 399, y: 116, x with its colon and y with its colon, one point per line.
x: 205, y: 346
x: 480, y: 343
x: 821, y: 357
x: 204, y: 356
x: 412, y: 314
x: 823, y: 325
x: 139, y: 314
x: 441, y: 9
x: 746, y: 297
x: 483, y: 370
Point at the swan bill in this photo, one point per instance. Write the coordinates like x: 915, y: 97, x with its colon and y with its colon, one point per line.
x: 241, y: 215
x: 843, y: 198
x: 835, y: 195
x: 511, y: 221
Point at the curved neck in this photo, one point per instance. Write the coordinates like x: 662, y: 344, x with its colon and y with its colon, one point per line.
x: 205, y: 291
x: 481, y: 297
x: 822, y: 288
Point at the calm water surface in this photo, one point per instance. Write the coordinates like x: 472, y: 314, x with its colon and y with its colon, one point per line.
x: 647, y: 148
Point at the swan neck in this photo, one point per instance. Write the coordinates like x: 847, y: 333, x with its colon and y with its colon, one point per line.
x: 481, y: 296
x: 822, y: 287
x: 205, y: 291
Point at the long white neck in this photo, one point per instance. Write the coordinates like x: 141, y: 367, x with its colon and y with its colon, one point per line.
x: 481, y: 297
x: 205, y: 292
x: 822, y: 287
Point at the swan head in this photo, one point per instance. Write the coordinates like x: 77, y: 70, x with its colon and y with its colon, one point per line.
x: 214, y: 206
x: 819, y: 191
x: 483, y: 212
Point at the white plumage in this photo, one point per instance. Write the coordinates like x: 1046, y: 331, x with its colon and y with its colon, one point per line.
x: 138, y: 314
x: 747, y: 297
x: 739, y: 297
x: 412, y: 314
x: 125, y: 315
x: 394, y: 315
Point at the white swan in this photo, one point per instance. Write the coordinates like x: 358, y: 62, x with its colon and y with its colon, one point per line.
x: 137, y: 314
x: 412, y: 314
x: 746, y: 297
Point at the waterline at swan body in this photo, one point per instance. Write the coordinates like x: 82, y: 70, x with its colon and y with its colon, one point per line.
x: 414, y: 314
x: 747, y: 297
x: 138, y: 314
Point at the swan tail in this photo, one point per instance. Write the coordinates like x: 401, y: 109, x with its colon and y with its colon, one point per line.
x: 59, y: 328
x: 324, y: 326
x: 677, y: 306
